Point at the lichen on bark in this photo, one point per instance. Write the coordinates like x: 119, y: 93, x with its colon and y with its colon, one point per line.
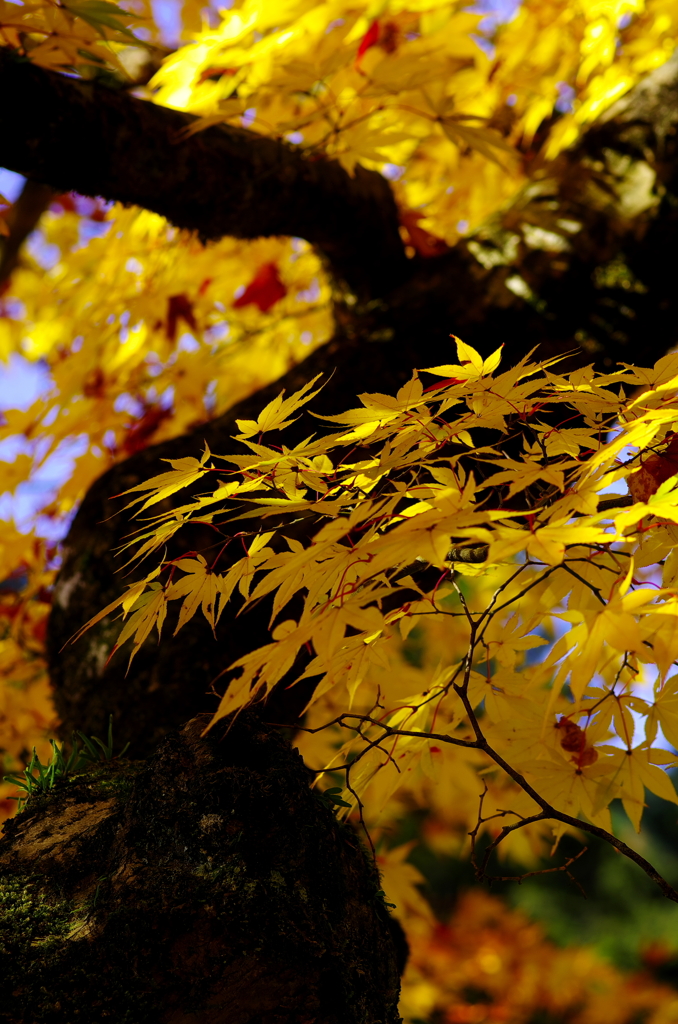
x: 207, y: 884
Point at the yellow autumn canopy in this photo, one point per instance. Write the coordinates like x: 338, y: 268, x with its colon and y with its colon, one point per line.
x: 561, y: 630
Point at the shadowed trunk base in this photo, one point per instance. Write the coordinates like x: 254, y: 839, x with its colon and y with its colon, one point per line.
x: 207, y: 885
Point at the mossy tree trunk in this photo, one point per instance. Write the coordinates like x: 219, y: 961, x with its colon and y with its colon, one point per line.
x: 206, y: 885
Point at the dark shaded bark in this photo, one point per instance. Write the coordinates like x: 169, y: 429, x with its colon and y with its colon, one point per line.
x: 609, y: 295
x: 22, y: 218
x: 208, y: 885
x: 83, y: 137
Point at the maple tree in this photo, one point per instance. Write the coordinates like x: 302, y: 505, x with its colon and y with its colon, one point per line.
x: 398, y: 484
x: 440, y: 574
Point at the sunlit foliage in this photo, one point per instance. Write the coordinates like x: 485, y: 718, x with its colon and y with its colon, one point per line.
x: 404, y: 484
x: 406, y: 84
x: 80, y: 33
x: 143, y: 332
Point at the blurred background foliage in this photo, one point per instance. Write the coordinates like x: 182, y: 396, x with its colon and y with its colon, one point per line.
x: 598, y: 947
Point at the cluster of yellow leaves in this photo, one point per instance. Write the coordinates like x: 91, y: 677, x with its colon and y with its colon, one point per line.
x: 402, y: 484
x: 137, y: 326
x: 68, y: 34
x: 490, y: 965
x: 138, y: 330
x: 405, y: 84
x: 383, y: 81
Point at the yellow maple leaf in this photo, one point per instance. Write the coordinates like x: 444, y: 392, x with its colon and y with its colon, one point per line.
x: 183, y: 473
x: 275, y: 416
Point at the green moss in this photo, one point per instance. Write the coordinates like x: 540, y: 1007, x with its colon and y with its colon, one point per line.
x: 108, y: 780
x: 47, y: 975
x: 33, y: 929
x: 29, y: 921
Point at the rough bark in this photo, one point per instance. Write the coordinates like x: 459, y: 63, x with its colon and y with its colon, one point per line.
x: 208, y: 885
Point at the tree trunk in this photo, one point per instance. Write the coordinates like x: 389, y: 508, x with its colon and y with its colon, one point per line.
x: 207, y: 885
x: 582, y: 261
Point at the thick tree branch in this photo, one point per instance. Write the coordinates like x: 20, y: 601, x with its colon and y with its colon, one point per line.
x: 79, y: 136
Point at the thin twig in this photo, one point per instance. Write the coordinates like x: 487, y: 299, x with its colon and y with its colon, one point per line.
x: 547, y: 812
x: 565, y: 868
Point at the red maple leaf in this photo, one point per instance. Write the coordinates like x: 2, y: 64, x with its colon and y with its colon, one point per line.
x: 140, y: 433
x: 65, y: 202
x: 98, y: 213
x: 371, y: 38
x: 73, y: 202
x: 213, y: 74
x: 94, y: 385
x: 264, y: 290
x: 443, y: 384
x: 179, y: 307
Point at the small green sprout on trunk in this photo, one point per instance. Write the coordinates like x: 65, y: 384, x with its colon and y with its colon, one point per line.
x: 38, y: 778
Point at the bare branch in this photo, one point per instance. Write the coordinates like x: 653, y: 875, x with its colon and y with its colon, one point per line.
x: 464, y: 553
x: 616, y: 501
x: 481, y: 869
x: 342, y: 720
x: 551, y: 812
